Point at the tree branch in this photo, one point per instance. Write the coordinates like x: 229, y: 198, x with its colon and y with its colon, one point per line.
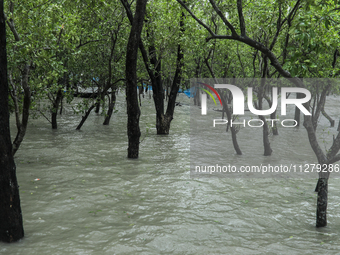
x: 82, y: 44
x: 10, y: 23
x: 241, y: 18
x: 195, y: 18
x: 224, y: 19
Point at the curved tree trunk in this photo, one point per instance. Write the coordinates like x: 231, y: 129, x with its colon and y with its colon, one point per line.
x: 235, y: 143
x: 111, y: 107
x: 22, y: 125
x: 331, y: 121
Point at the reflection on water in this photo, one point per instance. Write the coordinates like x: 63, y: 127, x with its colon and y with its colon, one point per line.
x: 91, y: 199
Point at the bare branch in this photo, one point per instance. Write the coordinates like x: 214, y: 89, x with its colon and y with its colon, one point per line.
x: 230, y: 37
x: 44, y: 116
x: 278, y: 28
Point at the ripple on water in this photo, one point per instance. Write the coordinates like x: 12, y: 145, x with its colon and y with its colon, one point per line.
x: 91, y: 199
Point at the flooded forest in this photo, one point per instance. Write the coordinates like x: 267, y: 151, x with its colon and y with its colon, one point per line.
x: 169, y: 127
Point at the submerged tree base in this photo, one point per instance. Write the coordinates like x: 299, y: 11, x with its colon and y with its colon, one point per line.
x: 321, y: 210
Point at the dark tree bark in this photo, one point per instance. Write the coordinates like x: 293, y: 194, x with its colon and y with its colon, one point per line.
x: 274, y: 128
x: 163, y: 123
x: 84, y: 118
x: 100, y: 98
x: 11, y: 227
x: 112, y: 103
x: 162, y: 120
x: 133, y: 110
x: 21, y: 125
x: 262, y: 91
x: 297, y: 110
x: 265, y: 131
x: 55, y: 107
x: 272, y: 116
x: 321, y: 210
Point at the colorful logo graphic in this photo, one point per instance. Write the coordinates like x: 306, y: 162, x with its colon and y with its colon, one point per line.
x: 239, y: 99
x: 212, y: 89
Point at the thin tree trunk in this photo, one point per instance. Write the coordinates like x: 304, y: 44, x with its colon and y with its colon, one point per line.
x: 55, y: 109
x: 297, y: 110
x: 85, y: 117
x: 11, y: 227
x: 266, y: 144
x: 111, y: 107
x: 321, y: 208
x: 274, y: 128
x: 101, y: 96
x: 22, y: 125
x: 262, y: 94
x: 332, y: 122
x: 162, y: 120
x: 61, y: 105
x: 133, y: 110
x: 232, y: 128
x: 235, y: 143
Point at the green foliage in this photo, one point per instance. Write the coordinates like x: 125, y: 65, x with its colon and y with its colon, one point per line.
x: 74, y: 45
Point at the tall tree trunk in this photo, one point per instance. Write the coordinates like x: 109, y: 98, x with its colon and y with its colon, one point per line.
x: 11, y: 227
x: 162, y: 120
x: 163, y: 126
x: 133, y: 110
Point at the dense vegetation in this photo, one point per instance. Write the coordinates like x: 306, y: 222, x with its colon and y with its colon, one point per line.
x: 56, y: 49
